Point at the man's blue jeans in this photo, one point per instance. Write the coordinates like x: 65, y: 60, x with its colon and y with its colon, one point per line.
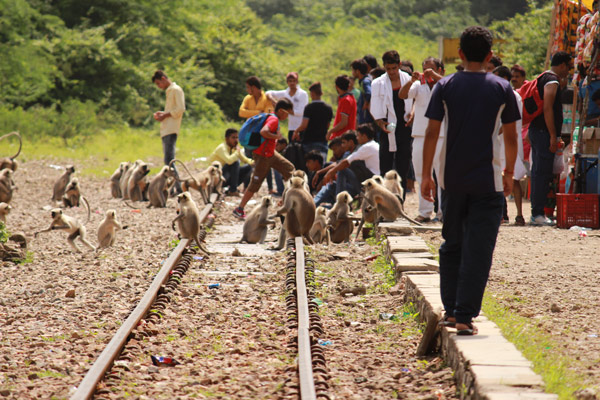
x: 168, y: 144
x: 541, y: 171
x: 471, y: 223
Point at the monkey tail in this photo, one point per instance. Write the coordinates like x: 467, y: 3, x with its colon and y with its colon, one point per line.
x: 129, y: 205
x: 15, y: 133
x: 186, y: 170
x: 87, y: 205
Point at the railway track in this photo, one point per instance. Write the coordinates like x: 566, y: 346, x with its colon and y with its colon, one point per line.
x: 147, y: 310
x: 310, y: 377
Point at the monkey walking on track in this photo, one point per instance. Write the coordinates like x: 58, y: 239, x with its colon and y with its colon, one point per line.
x: 202, y: 184
x: 4, y: 211
x: 11, y: 162
x: 115, y: 188
x: 71, y: 225
x: 299, y: 211
x: 257, y: 223
x: 7, y: 185
x: 387, y: 204
x: 61, y: 184
x: 188, y: 219
x: 319, y: 232
x: 339, y: 223
x: 158, y: 190
x: 107, y: 230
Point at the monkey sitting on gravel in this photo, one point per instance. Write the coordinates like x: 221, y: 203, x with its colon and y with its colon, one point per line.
x: 339, y: 223
x: 115, y: 188
x: 137, y: 184
x: 107, y: 230
x: 257, y: 222
x: 4, y: 211
x: 319, y: 232
x: 158, y: 190
x: 61, y: 184
x: 188, y: 219
x: 10, y: 162
x: 71, y: 225
x: 124, y: 180
x: 7, y: 185
x: 216, y: 179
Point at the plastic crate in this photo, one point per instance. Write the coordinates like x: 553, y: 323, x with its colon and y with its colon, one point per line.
x: 577, y: 209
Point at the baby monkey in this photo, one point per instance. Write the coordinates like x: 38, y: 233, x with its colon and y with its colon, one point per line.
x: 107, y: 230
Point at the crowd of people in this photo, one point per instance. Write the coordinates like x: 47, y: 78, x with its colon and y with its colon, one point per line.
x: 379, y: 125
x: 459, y: 136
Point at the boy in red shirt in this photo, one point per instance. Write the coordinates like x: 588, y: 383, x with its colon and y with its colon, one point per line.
x: 345, y: 116
x: 265, y: 157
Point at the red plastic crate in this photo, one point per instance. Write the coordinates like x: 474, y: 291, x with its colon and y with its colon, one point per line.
x: 577, y: 209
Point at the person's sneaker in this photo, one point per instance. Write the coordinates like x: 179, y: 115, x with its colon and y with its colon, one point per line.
x: 519, y: 220
x: 239, y: 212
x: 541, y: 220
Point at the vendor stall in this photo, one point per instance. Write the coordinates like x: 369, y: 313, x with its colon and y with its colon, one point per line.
x: 575, y: 29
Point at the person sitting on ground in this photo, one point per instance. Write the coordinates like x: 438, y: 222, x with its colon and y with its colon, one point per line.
x: 359, y: 166
x: 337, y: 149
x: 265, y: 156
x: 229, y: 155
x: 314, y: 163
x: 327, y: 192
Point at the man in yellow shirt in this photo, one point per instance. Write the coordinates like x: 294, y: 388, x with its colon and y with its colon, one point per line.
x: 229, y: 155
x: 170, y: 118
x: 256, y: 101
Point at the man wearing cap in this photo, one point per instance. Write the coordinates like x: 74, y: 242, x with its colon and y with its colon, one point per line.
x: 296, y: 95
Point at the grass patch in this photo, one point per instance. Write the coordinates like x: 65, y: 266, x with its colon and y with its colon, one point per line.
x: 538, y: 347
x: 100, y: 154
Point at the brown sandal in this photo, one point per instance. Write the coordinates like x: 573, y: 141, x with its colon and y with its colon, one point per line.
x: 470, y: 331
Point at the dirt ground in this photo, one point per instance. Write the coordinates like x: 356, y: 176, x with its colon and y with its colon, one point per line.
x: 58, y: 311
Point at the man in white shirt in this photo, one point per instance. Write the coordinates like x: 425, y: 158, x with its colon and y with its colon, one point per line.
x: 391, y: 114
x: 170, y: 118
x: 419, y: 90
x: 359, y: 166
x: 297, y: 96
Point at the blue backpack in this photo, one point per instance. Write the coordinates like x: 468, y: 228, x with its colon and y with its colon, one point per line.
x: 249, y: 134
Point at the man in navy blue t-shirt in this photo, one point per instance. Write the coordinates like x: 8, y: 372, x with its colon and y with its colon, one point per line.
x: 474, y: 104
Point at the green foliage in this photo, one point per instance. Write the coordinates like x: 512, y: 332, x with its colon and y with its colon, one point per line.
x: 70, y: 67
x: 526, y: 38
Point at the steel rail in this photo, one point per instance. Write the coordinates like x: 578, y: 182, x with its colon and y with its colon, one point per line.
x: 87, y: 387
x: 305, y: 370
